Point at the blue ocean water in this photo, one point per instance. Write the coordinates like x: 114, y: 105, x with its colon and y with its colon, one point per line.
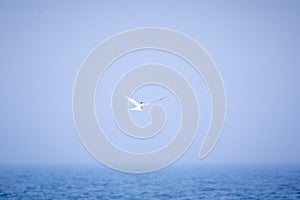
x: 180, y: 182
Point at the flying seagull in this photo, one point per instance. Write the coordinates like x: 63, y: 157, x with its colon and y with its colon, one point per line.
x: 139, y: 106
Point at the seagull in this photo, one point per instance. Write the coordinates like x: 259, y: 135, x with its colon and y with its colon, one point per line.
x: 139, y: 106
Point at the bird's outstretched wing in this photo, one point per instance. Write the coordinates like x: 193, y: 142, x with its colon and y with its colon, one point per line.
x: 136, y: 108
x: 149, y: 103
x: 132, y: 101
x: 157, y: 100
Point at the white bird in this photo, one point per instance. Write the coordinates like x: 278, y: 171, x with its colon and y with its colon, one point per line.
x: 139, y: 106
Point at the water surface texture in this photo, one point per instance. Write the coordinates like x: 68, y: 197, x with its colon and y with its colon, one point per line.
x: 185, y: 182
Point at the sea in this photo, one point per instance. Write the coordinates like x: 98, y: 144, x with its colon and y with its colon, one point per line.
x: 177, y: 182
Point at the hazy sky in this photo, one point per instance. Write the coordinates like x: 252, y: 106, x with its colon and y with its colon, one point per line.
x: 255, y: 45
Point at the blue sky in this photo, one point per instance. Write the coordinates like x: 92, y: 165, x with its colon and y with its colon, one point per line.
x: 255, y: 45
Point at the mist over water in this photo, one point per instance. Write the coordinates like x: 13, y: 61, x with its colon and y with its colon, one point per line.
x: 255, y: 45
